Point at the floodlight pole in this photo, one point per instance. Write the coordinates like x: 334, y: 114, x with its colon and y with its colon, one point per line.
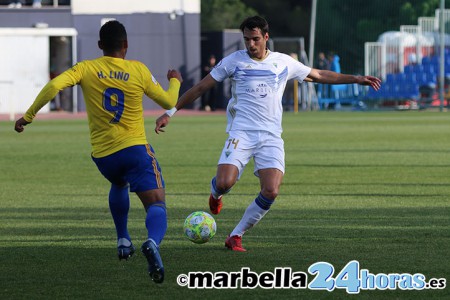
x: 442, y: 56
x: 312, y: 33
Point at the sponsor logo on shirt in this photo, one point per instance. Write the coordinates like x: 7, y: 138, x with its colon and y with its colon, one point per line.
x: 261, y: 89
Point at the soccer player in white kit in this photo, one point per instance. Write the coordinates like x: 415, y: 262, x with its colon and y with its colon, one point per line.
x: 254, y: 114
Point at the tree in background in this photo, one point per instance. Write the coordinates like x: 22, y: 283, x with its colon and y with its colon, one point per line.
x: 288, y: 18
x: 217, y: 15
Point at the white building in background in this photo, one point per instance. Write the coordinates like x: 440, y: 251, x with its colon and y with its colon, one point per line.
x: 37, y: 44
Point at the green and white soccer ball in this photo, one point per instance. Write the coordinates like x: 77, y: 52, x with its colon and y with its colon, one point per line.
x: 199, y: 227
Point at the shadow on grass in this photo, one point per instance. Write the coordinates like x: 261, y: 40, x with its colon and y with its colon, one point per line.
x: 56, y: 253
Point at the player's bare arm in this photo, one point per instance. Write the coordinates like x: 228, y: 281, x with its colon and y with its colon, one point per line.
x: 325, y: 76
x: 190, y: 96
x: 196, y: 91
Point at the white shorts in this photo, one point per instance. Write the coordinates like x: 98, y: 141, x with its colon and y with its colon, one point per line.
x: 266, y: 149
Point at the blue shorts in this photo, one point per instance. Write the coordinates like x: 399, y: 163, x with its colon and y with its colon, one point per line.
x: 136, y: 166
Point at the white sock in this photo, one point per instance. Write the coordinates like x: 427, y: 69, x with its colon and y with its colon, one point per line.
x: 253, y: 214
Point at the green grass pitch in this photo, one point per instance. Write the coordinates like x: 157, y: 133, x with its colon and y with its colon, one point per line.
x: 366, y: 186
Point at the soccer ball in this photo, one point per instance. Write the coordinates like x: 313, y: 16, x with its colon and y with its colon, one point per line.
x: 199, y: 227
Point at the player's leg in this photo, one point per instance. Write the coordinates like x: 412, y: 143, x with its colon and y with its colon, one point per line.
x: 156, y: 217
x: 235, y: 155
x: 119, y: 203
x: 146, y: 181
x: 119, y: 206
x: 270, y: 180
x: 269, y: 167
x: 156, y: 224
x: 221, y: 184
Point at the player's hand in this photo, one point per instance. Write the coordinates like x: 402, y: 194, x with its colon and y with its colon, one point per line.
x: 174, y: 74
x: 20, y: 124
x: 161, y: 122
x: 374, y: 82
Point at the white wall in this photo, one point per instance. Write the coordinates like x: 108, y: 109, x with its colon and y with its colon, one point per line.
x: 23, y: 72
x: 25, y: 65
x: 133, y: 6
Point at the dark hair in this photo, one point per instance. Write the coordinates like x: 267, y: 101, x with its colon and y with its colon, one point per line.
x: 112, y: 35
x: 255, y: 22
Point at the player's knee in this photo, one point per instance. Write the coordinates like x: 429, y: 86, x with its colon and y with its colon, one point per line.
x: 151, y: 197
x: 269, y: 193
x: 224, y: 184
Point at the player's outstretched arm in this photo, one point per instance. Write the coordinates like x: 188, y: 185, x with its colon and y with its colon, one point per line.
x: 48, y: 92
x: 164, y: 98
x: 190, y: 96
x: 372, y: 81
x: 325, y: 76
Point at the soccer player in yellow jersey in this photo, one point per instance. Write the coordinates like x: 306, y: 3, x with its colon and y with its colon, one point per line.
x: 113, y: 90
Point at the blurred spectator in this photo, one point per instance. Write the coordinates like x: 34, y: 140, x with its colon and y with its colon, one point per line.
x: 335, y: 65
x: 322, y: 64
x: 37, y: 3
x: 20, y: 3
x: 16, y: 4
x: 209, y: 97
x: 412, y: 58
x: 335, y: 89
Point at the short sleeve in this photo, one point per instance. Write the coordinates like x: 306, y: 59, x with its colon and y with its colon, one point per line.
x: 224, y: 69
x: 297, y: 70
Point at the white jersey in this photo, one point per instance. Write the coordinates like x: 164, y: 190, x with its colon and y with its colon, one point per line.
x: 257, y: 89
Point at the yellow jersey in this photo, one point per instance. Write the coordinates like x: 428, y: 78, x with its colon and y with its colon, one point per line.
x: 113, y: 90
